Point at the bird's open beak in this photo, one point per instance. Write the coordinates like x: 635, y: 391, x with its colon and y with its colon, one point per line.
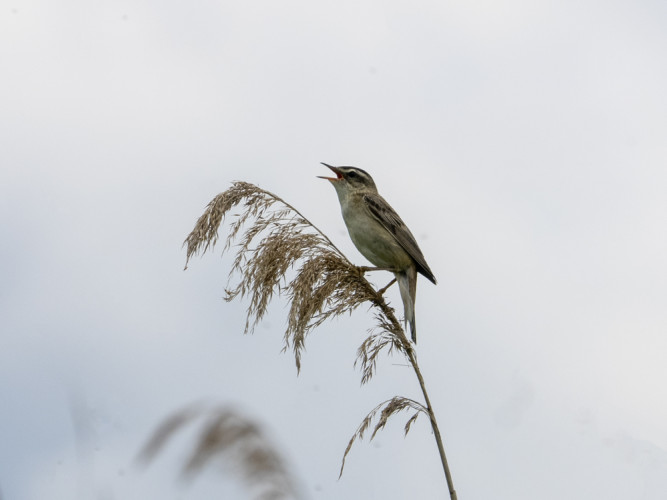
x: 335, y: 170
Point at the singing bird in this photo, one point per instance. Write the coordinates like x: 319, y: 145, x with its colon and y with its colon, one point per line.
x: 379, y: 233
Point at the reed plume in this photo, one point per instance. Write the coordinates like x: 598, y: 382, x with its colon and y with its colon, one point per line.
x: 279, y: 251
x: 228, y: 436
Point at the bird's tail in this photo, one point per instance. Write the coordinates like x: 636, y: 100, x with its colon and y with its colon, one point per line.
x: 407, y: 284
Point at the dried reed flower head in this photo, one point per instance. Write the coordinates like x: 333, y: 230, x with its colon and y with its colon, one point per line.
x: 229, y: 436
x: 386, y: 409
x: 274, y: 239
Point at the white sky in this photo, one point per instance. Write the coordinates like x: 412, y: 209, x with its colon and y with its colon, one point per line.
x: 524, y: 144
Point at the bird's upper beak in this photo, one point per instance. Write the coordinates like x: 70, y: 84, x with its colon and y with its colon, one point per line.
x: 335, y: 170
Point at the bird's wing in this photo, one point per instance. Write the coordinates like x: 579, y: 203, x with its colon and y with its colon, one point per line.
x: 391, y: 221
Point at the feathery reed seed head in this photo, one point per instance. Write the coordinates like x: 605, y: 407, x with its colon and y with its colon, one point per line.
x: 227, y: 435
x: 274, y: 240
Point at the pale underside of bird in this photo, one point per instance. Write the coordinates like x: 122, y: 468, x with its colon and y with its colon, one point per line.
x: 380, y: 234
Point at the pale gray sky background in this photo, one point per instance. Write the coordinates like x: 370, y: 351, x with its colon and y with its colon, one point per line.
x: 523, y: 142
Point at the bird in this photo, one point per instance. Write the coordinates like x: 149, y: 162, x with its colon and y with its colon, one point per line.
x: 380, y: 234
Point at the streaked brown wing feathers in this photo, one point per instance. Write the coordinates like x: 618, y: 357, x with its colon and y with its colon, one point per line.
x: 391, y: 221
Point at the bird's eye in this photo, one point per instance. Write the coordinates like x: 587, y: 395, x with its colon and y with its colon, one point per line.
x: 352, y: 175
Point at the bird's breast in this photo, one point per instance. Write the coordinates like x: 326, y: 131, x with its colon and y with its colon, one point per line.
x: 374, y: 242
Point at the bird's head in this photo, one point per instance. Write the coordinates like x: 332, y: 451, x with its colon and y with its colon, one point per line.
x: 350, y: 179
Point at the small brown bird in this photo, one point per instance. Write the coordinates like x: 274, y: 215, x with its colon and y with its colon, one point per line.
x: 379, y: 234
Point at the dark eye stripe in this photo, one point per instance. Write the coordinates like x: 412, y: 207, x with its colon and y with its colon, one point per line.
x: 357, y: 172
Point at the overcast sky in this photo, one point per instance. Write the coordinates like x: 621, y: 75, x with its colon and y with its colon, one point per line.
x: 524, y: 143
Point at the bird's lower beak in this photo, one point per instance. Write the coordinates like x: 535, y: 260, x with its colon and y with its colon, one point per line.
x: 335, y: 170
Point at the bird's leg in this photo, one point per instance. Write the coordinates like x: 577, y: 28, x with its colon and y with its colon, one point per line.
x: 363, y: 269
x: 382, y: 290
